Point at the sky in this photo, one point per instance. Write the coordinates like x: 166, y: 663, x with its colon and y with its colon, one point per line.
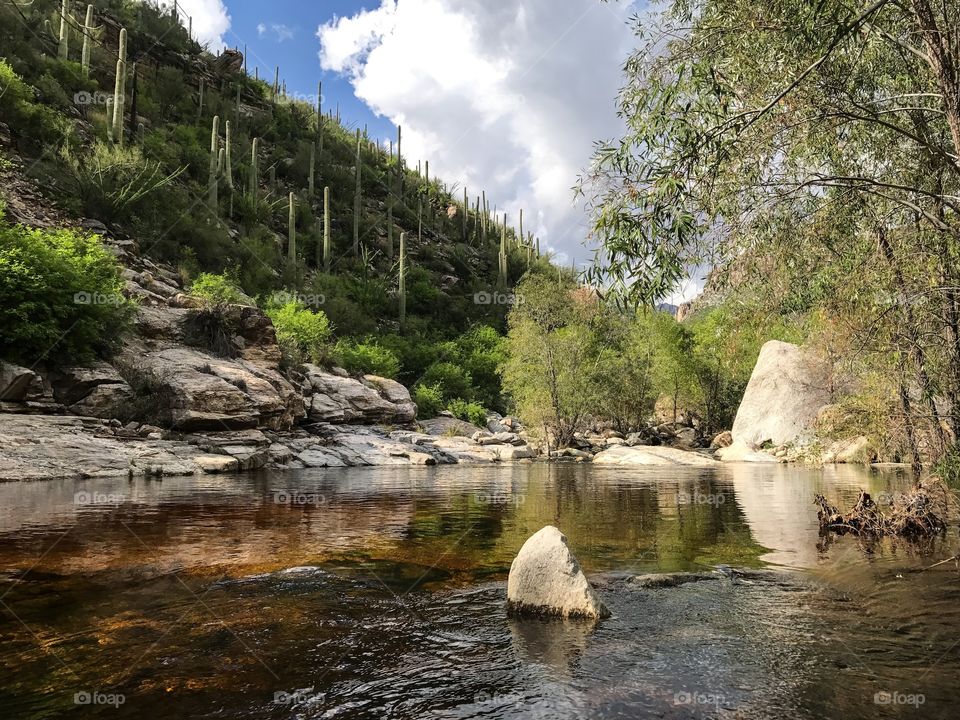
x: 505, y: 96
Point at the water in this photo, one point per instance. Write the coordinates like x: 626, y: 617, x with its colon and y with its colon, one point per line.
x: 370, y: 593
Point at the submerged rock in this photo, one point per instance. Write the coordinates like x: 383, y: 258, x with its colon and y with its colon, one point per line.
x: 546, y: 579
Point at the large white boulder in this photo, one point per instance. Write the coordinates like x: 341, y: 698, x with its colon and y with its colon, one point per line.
x: 651, y: 455
x: 546, y: 579
x: 787, y: 389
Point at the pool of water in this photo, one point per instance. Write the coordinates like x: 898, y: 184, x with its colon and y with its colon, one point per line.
x: 380, y: 592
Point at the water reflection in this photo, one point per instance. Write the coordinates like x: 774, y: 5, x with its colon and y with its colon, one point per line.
x: 379, y: 592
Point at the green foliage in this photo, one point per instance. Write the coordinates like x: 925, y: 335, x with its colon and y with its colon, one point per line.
x: 36, y: 124
x: 113, y: 181
x: 218, y: 290
x: 60, y: 296
x: 366, y: 357
x: 302, y: 333
x: 429, y: 400
x: 473, y: 413
x: 454, y: 382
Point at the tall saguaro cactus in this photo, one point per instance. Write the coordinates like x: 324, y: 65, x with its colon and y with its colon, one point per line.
x: 292, y: 233
x: 326, y: 229
x: 228, y: 156
x: 313, y: 162
x: 85, y: 51
x: 357, y: 199
x: 254, y: 170
x: 63, y: 48
x: 403, y: 279
x: 212, y: 183
x: 503, y: 255
x: 119, y: 88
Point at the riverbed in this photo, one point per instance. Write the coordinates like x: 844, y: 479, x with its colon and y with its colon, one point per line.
x: 380, y: 592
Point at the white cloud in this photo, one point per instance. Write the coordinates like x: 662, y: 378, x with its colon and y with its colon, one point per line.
x: 261, y: 29
x: 210, y: 21
x: 507, y: 97
x: 283, y: 32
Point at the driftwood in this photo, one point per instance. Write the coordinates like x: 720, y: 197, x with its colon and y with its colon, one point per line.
x: 921, y: 512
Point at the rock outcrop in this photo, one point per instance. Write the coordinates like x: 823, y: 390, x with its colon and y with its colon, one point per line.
x: 647, y: 455
x: 546, y: 579
x: 787, y: 389
x: 370, y: 400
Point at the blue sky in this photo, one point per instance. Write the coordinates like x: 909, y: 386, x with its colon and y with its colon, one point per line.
x: 283, y: 32
x: 502, y: 96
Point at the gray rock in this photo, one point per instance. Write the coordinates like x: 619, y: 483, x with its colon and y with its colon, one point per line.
x: 449, y: 426
x: 546, y: 579
x: 14, y: 382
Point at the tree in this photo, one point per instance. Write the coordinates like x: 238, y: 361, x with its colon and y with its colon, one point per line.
x: 756, y: 130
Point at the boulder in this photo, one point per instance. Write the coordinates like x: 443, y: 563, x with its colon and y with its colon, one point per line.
x: 787, y: 389
x: 740, y: 452
x: 449, y: 426
x: 546, y: 579
x: 855, y: 450
x: 651, y: 455
x: 339, y: 399
x: 14, y: 382
x: 722, y: 440
x: 95, y: 391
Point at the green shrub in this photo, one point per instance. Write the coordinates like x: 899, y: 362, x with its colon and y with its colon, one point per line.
x: 31, y: 121
x: 471, y: 412
x: 60, y: 296
x: 429, y: 400
x: 218, y: 290
x: 113, y: 181
x: 367, y: 357
x: 301, y: 333
x: 453, y: 381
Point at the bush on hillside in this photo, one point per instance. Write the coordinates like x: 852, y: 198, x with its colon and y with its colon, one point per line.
x: 303, y: 335
x: 218, y: 290
x: 429, y: 400
x: 367, y: 357
x: 471, y: 412
x: 60, y: 296
x: 454, y: 382
x: 112, y: 181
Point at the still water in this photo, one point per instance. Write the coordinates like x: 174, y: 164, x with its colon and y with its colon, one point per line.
x: 379, y: 593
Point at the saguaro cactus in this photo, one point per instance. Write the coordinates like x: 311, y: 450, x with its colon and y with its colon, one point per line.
x: 292, y: 232
x: 119, y: 88
x: 326, y: 229
x: 212, y: 183
x: 399, y: 166
x: 466, y: 214
x: 503, y: 256
x: 200, y: 103
x: 254, y: 171
x: 85, y: 51
x: 228, y: 156
x: 276, y: 84
x: 63, y: 49
x: 520, y: 236
x: 403, y: 278
x: 313, y: 161
x: 357, y: 199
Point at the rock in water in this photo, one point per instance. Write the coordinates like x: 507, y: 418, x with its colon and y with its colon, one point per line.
x: 546, y: 579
